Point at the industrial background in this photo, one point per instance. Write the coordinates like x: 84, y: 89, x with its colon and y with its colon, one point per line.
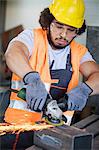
x: 16, y: 12
x: 16, y: 15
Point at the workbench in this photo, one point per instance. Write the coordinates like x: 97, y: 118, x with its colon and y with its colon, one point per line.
x: 84, y: 135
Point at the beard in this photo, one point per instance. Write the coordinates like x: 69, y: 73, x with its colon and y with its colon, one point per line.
x: 59, y: 46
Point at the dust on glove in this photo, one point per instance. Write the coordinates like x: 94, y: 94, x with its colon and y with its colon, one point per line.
x: 36, y: 92
x: 77, y: 97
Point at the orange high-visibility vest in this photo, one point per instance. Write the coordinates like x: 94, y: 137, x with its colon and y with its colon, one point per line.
x: 39, y: 61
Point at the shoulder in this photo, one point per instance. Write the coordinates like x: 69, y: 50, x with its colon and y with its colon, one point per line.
x: 78, y: 49
x: 26, y: 33
x: 27, y: 38
x: 78, y: 45
x: 87, y: 57
x: 39, y: 32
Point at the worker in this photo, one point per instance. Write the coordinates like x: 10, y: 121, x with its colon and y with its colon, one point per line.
x: 50, y: 57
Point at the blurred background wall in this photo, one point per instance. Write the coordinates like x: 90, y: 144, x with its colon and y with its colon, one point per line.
x: 26, y: 12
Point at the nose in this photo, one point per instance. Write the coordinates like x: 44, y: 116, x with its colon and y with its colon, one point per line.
x: 64, y: 33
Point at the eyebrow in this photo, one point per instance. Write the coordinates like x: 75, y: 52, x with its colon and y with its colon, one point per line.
x: 58, y: 23
x: 64, y: 24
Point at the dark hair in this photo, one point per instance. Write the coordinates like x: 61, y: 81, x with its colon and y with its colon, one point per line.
x: 46, y: 18
x: 82, y: 29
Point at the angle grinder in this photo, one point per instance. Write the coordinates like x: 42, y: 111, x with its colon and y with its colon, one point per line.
x: 52, y: 111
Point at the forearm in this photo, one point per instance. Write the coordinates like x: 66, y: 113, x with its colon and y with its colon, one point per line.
x: 17, y: 59
x: 93, y: 82
x: 90, y: 70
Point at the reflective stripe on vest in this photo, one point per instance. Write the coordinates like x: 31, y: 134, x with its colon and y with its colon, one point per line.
x: 17, y: 84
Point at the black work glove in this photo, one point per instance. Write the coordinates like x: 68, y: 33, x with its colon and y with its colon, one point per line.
x: 36, y: 92
x: 63, y: 103
x: 77, y: 97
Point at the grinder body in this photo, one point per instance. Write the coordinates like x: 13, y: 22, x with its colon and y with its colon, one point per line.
x: 52, y: 111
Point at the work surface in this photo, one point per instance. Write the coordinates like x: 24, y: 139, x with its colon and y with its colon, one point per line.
x: 84, y: 134
x: 91, y: 124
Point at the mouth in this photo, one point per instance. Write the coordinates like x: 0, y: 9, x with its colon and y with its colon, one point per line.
x: 61, y: 42
x: 57, y: 43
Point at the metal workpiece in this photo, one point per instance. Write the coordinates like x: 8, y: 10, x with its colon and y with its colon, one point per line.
x: 64, y: 138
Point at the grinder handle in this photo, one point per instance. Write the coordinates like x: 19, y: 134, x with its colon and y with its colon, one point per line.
x: 21, y: 93
x: 62, y: 103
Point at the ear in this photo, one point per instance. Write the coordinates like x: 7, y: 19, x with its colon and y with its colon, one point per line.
x: 47, y: 29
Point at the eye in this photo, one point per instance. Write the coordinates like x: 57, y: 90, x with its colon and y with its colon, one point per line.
x: 72, y: 30
x: 59, y: 26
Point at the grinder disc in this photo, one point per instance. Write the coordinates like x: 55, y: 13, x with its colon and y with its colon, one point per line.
x: 54, y: 122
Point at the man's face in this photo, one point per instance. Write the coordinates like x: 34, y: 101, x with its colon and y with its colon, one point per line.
x: 61, y: 35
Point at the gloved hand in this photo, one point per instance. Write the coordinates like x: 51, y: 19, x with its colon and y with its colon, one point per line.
x: 36, y: 93
x: 77, y: 97
x: 63, y: 103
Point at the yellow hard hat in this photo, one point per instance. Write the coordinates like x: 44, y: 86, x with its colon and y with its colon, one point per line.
x: 70, y: 12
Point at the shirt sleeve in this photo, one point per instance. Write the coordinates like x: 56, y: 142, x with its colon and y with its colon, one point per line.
x: 27, y: 38
x: 87, y: 57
